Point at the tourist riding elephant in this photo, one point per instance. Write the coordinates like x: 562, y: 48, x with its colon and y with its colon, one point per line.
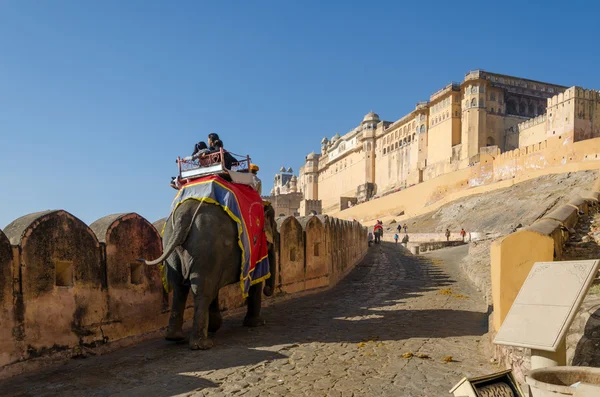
x: 201, y: 253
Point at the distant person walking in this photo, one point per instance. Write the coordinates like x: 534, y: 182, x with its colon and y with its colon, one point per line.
x: 399, y: 228
x: 405, y: 228
x: 396, y: 238
x: 463, y: 234
x: 447, y: 234
x: 370, y: 236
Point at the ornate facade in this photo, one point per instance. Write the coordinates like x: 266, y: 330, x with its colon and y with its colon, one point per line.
x: 441, y: 135
x: 287, y: 200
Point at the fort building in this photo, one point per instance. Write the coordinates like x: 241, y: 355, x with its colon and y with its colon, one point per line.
x: 287, y: 200
x: 486, y: 112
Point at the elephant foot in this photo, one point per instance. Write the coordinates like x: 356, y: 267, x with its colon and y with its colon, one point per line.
x: 201, y: 344
x: 174, y: 335
x: 214, y: 322
x: 268, y: 291
x: 253, y: 322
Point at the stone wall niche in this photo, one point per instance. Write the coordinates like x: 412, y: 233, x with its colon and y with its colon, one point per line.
x: 63, y: 282
x: 9, y: 351
x: 136, y: 302
x: 316, y: 252
x: 291, y: 255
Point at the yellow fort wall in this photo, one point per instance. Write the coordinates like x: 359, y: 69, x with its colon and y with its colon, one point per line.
x: 553, y: 156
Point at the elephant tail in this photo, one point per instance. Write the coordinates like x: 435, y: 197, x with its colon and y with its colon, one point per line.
x: 181, y: 227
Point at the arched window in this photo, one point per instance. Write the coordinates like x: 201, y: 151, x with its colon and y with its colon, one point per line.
x: 511, y: 107
x: 369, y: 146
x: 492, y: 110
x: 414, y: 137
x: 409, y: 139
x: 474, y: 102
x: 383, y: 150
x: 540, y: 109
x: 531, y: 109
x: 422, y: 128
x: 492, y: 96
x: 490, y: 141
x: 474, y: 89
x: 396, y: 146
x: 522, y: 108
x: 481, y: 103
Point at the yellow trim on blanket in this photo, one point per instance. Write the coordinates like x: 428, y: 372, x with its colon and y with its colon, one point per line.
x: 240, y: 229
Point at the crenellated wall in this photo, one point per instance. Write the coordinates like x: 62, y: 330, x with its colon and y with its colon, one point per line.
x: 67, y: 289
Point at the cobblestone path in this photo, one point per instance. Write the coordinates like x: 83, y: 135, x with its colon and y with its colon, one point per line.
x: 348, y: 341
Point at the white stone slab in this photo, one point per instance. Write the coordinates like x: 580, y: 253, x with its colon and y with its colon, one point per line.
x: 546, y: 304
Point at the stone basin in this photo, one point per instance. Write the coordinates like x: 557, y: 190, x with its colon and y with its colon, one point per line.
x: 556, y: 381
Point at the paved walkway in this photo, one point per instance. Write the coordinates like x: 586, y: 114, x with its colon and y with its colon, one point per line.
x: 348, y: 341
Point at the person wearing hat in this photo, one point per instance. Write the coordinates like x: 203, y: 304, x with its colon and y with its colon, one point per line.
x: 256, y: 180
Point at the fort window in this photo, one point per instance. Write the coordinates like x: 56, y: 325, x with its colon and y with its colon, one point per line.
x: 492, y: 97
x: 383, y: 150
x: 413, y: 137
x: 63, y: 273
x: 137, y: 276
x: 316, y: 249
x: 511, y: 107
x: 490, y: 141
x: 422, y: 128
x: 531, y: 109
x: 492, y: 110
x: 474, y: 102
x: 481, y: 103
x: 293, y: 254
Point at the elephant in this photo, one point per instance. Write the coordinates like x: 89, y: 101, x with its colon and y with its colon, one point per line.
x: 201, y: 253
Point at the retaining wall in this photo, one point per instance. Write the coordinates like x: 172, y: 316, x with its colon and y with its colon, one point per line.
x: 513, y: 256
x: 67, y: 289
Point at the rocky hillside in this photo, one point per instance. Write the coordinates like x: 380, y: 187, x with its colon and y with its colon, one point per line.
x: 502, y: 211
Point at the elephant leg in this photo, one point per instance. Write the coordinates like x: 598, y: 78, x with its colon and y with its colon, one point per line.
x: 214, y: 316
x: 174, y: 330
x: 270, y: 282
x: 252, y: 318
x: 199, y: 337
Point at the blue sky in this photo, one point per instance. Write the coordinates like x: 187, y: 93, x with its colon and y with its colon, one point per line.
x: 98, y: 98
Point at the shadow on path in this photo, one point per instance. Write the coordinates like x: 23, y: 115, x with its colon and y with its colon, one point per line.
x: 377, y: 299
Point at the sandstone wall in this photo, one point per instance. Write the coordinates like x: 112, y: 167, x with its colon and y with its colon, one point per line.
x: 67, y: 289
x: 556, y: 155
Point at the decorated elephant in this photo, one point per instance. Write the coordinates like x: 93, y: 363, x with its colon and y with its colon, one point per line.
x: 201, y: 252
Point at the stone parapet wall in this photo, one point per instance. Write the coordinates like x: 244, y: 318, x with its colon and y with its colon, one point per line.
x: 68, y: 289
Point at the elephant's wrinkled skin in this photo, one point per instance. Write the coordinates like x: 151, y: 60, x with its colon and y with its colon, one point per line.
x: 201, y: 253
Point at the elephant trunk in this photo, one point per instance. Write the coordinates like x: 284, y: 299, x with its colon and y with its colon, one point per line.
x: 179, y: 236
